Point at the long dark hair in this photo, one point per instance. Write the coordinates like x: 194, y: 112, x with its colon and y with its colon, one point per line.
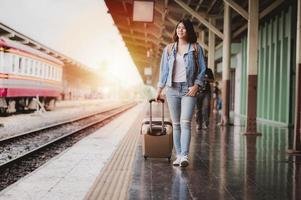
x: 191, y: 35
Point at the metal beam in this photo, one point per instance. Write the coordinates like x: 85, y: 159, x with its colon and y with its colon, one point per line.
x: 174, y: 22
x: 200, y: 18
x: 140, y: 60
x: 144, y: 30
x: 240, y: 30
x: 138, y: 44
x: 262, y: 14
x: 271, y: 7
x: 237, y: 8
x: 139, y: 37
x: 197, y: 7
x: 211, y: 6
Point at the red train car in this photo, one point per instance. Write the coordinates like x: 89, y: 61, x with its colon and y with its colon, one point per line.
x: 27, y: 75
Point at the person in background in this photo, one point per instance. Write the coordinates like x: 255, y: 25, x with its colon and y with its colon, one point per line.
x: 182, y: 71
x: 203, y: 104
x: 217, y: 101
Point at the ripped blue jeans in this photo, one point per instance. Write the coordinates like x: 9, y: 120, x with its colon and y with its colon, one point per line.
x: 181, y: 109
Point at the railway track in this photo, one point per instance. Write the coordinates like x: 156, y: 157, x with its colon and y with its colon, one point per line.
x: 24, y: 146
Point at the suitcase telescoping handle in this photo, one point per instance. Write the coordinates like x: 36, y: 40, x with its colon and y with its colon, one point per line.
x: 150, y: 113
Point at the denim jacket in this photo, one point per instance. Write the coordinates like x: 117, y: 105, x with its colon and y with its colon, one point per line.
x: 168, y: 62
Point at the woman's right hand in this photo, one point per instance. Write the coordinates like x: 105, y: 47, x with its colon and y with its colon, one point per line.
x: 158, y: 95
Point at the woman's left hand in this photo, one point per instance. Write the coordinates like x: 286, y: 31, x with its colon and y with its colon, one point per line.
x: 192, y: 91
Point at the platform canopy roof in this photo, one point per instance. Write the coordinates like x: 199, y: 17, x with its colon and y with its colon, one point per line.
x: 152, y: 37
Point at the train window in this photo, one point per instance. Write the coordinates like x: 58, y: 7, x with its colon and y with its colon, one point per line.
x: 6, y: 59
x: 45, y: 71
x: 1, y: 59
x: 13, y: 63
x: 41, y: 71
x: 39, y: 68
x: 53, y: 71
x: 33, y: 68
x: 20, y: 65
x: 25, y: 66
x: 50, y: 72
x: 16, y: 61
x: 55, y: 75
x: 58, y: 74
x: 31, y: 65
x: 36, y: 70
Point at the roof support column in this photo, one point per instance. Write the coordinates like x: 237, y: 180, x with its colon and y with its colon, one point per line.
x: 297, y: 129
x: 201, y: 40
x: 202, y: 37
x: 211, y: 47
x: 252, y: 57
x: 226, y: 66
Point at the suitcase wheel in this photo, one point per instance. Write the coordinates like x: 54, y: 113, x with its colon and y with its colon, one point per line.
x: 145, y: 157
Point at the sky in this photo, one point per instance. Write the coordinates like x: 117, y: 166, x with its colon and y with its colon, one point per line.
x: 80, y: 29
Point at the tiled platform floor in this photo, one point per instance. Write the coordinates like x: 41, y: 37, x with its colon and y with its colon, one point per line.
x: 224, y: 164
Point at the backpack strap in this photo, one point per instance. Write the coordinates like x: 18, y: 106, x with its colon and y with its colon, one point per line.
x: 196, y: 50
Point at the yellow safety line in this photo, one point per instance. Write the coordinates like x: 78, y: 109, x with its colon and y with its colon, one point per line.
x: 113, y: 182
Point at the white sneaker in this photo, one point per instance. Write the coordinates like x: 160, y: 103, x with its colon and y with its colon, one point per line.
x: 184, y: 161
x: 177, y: 161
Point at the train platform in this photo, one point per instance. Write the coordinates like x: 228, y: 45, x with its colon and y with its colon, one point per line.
x: 223, y: 164
x: 71, y: 174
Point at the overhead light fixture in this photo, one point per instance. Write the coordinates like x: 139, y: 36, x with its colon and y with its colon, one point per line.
x: 143, y: 11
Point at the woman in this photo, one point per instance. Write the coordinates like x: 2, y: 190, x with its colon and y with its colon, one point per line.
x: 182, y: 71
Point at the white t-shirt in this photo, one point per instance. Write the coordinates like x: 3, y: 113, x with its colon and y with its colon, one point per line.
x: 180, y: 69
